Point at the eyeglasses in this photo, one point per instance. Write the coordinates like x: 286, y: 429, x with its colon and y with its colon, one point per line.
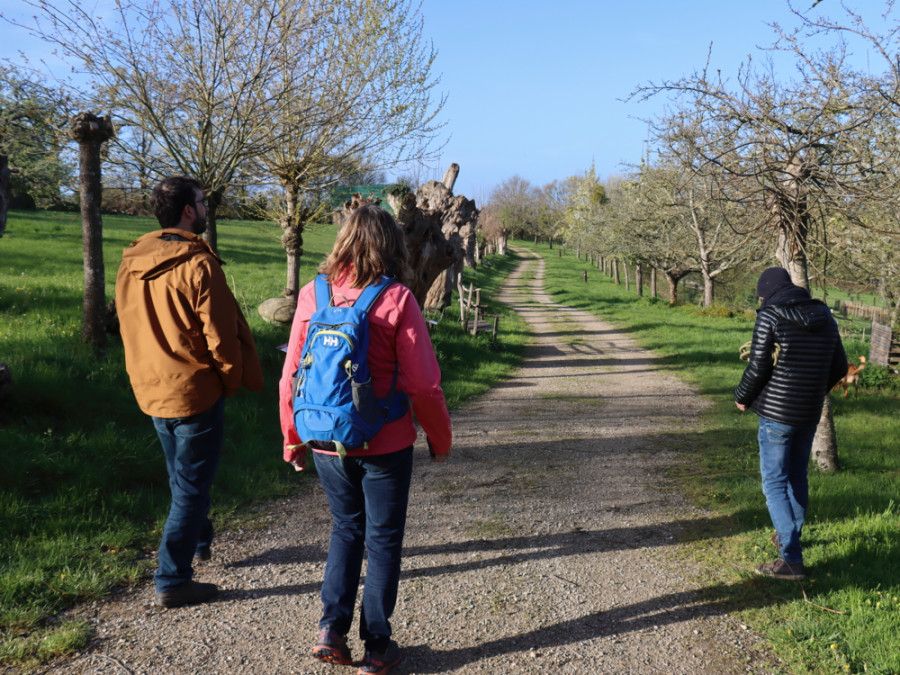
x: 201, y: 201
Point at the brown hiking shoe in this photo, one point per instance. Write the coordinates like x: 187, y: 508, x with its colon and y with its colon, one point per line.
x: 188, y: 593
x: 782, y: 570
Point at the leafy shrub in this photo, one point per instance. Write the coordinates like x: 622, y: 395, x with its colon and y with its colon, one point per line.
x: 717, y: 311
x: 879, y: 378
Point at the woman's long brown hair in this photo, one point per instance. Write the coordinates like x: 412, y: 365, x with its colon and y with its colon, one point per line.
x: 369, y: 244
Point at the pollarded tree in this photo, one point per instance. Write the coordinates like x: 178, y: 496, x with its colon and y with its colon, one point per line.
x: 803, y: 149
x: 361, y: 97
x: 720, y: 224
x: 551, y: 201
x: 201, y: 77
x: 492, y: 229
x: 800, y: 151
x: 91, y: 132
x: 872, y: 249
x: 516, y: 203
x: 656, y: 231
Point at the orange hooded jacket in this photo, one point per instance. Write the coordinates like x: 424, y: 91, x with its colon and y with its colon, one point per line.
x: 186, y: 342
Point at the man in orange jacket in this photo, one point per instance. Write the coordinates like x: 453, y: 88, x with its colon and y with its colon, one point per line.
x: 187, y: 348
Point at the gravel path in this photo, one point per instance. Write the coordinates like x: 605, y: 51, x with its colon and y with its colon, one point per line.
x: 547, y: 544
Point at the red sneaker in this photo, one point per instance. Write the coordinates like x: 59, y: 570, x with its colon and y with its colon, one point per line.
x: 379, y: 663
x: 332, y: 648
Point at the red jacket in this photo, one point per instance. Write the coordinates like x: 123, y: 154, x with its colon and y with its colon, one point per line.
x: 397, y: 335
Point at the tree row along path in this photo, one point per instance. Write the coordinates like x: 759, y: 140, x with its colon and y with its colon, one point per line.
x: 548, y: 543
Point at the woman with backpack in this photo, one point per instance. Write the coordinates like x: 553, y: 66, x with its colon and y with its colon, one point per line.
x: 367, y: 486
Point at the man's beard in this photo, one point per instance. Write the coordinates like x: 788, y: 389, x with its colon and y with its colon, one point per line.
x: 198, y: 227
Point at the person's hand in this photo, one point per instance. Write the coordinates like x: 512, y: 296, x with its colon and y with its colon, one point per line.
x: 296, y: 456
x: 740, y: 406
x: 435, y: 457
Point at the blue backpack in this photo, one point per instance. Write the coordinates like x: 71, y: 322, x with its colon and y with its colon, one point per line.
x: 335, y: 407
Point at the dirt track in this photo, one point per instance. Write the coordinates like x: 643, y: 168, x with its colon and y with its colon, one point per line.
x: 547, y: 544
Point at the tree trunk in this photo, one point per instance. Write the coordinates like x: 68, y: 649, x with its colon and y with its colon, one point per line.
x: 5, y: 194
x: 502, y: 242
x: 824, y: 449
x: 653, y: 288
x: 91, y: 132
x: 791, y: 209
x: 625, y: 274
x: 793, y: 259
x: 467, y: 232
x: 708, y: 291
x: 615, y: 266
x: 673, y: 287
x: 292, y: 240
x: 792, y: 215
x: 439, y: 295
x: 450, y: 176
x: 437, y: 226
x: 213, y: 200
x: 452, y: 276
x: 639, y: 279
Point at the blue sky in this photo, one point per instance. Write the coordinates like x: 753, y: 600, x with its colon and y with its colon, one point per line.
x: 535, y: 87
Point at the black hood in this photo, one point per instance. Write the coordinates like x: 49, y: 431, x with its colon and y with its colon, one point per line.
x: 796, y: 305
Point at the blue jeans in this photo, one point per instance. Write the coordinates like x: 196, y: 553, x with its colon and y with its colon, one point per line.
x: 783, y: 458
x: 192, y: 447
x: 368, y: 497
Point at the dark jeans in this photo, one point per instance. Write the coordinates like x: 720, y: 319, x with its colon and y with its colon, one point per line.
x: 783, y: 458
x: 192, y: 447
x: 368, y: 497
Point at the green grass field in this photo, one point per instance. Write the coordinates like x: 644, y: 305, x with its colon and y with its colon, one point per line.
x: 83, y: 488
x: 846, y: 616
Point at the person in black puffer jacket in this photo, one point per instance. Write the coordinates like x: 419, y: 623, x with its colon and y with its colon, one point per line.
x: 796, y: 357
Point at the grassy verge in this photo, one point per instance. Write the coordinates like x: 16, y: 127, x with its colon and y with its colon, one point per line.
x: 846, y: 616
x: 83, y: 489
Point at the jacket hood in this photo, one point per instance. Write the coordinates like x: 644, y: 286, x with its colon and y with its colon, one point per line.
x: 794, y: 304
x: 156, y: 253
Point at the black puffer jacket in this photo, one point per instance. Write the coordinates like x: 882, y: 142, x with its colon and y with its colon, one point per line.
x: 812, y: 359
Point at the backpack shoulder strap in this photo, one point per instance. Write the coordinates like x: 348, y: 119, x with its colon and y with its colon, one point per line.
x: 323, y: 292
x: 372, y: 292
